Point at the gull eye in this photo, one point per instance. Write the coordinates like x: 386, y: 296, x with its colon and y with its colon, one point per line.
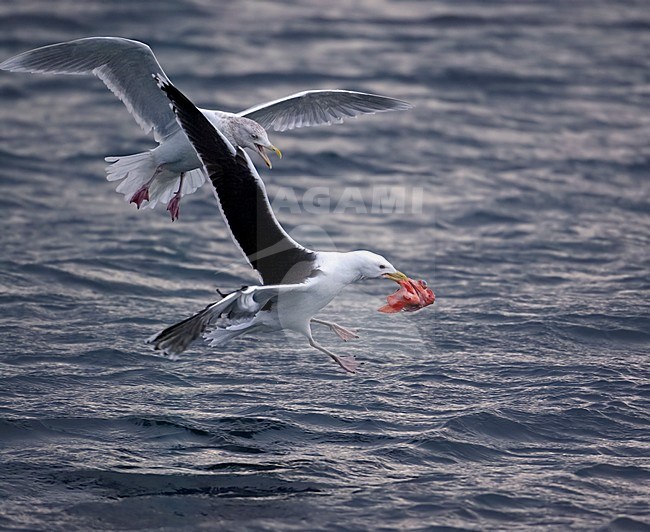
x: 382, y: 267
x: 254, y: 136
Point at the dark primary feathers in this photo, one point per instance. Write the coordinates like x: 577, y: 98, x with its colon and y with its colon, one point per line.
x: 241, y: 304
x: 242, y: 198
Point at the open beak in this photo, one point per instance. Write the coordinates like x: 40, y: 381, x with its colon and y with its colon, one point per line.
x: 263, y: 155
x: 398, y: 277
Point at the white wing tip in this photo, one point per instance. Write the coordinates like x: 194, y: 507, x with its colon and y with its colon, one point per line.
x: 161, y: 351
x: 401, y: 105
x: 153, y: 337
x: 160, y: 80
x: 11, y: 65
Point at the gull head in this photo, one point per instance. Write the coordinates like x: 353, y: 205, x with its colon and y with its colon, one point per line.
x: 249, y: 134
x: 372, y: 266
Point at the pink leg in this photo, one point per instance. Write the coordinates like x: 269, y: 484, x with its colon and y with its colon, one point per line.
x: 349, y: 364
x: 343, y: 333
x: 142, y: 194
x: 174, y: 205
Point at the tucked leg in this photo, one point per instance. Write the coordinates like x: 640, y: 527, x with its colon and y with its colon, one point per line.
x: 343, y: 333
x: 349, y: 364
x: 174, y: 204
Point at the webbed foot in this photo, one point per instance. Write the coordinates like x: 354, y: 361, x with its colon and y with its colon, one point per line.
x: 141, y: 195
x: 174, y: 206
x: 349, y: 364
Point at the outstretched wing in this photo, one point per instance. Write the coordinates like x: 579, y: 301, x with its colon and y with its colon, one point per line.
x: 125, y: 66
x: 242, y: 198
x: 318, y: 107
x: 240, y: 305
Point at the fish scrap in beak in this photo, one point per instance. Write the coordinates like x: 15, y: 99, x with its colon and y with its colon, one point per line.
x: 398, y: 277
x: 270, y: 147
x: 411, y: 296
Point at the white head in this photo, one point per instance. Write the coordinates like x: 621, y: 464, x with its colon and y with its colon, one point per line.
x: 249, y: 134
x: 369, y: 265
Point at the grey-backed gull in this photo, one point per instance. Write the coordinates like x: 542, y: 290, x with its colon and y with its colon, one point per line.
x: 172, y: 170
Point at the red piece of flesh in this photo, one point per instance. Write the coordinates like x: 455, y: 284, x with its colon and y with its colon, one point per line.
x: 410, y: 296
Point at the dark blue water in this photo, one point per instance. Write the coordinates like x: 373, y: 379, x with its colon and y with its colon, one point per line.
x: 520, y: 400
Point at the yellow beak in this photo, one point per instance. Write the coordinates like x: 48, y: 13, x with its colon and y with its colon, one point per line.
x: 397, y: 277
x: 270, y: 147
x: 276, y: 150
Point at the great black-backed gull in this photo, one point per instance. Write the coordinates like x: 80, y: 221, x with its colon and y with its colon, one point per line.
x: 172, y: 170
x: 296, y: 282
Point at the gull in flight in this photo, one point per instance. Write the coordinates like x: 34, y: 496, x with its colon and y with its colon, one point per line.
x: 171, y: 170
x: 296, y: 282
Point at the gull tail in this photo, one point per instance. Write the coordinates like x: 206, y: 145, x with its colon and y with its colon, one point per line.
x: 134, y: 171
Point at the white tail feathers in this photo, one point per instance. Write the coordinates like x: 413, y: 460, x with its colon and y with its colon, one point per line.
x: 141, y: 163
x: 139, y: 169
x: 133, y: 170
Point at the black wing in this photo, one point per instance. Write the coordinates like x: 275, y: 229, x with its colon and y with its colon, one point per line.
x: 239, y: 305
x: 242, y: 198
